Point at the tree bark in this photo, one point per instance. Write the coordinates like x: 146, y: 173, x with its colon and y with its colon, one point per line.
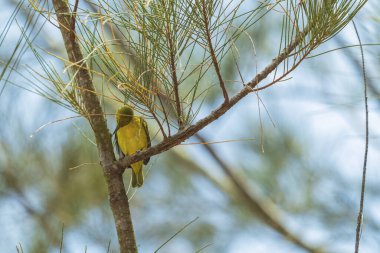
x: 94, y: 113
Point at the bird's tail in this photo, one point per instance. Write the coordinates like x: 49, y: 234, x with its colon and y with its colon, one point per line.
x: 137, y: 174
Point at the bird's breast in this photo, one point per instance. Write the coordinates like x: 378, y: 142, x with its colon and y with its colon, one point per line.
x: 132, y: 137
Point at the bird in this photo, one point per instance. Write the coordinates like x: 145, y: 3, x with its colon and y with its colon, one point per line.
x: 131, y: 135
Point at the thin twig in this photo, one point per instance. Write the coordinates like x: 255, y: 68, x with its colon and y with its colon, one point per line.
x: 204, y: 247
x: 362, y: 193
x: 166, y: 118
x: 371, y: 85
x: 158, y: 122
x: 179, y: 231
x: 216, y: 142
x: 212, y: 52
x: 172, y: 53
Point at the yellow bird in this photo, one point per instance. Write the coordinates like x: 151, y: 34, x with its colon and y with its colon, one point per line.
x: 131, y: 135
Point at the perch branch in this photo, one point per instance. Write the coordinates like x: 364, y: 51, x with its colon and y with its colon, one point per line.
x: 116, y: 189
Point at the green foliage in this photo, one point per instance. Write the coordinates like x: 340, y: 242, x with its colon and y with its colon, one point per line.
x: 167, y: 42
x: 156, y: 55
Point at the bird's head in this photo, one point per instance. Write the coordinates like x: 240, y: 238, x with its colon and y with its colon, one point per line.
x: 124, y: 115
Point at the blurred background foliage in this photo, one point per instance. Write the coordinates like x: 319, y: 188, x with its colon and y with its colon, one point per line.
x: 305, y: 159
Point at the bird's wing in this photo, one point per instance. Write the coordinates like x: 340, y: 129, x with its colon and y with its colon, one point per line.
x: 116, y: 144
x: 145, y: 125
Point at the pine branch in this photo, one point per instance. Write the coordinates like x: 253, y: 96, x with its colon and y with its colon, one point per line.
x: 116, y: 189
x: 176, y: 139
